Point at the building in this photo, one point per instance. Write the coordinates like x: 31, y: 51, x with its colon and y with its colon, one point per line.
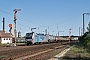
x: 5, y: 38
x: 19, y: 34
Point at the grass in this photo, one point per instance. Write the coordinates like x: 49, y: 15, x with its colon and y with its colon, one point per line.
x: 3, y: 45
x: 77, y: 52
x: 2, y: 56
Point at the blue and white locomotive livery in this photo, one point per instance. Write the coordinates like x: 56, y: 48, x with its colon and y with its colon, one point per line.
x: 32, y: 38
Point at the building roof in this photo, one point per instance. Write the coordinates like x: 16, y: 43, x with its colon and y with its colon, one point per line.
x: 4, y: 35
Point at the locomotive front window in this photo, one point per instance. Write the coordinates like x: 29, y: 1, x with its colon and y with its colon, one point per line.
x: 29, y: 35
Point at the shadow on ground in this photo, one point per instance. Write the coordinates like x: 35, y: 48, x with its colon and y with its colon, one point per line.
x: 75, y: 58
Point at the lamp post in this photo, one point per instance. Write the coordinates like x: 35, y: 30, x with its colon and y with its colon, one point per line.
x: 83, y: 21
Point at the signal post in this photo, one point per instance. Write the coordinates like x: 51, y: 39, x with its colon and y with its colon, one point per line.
x: 15, y: 11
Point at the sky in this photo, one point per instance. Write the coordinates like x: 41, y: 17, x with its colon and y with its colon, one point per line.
x: 53, y: 15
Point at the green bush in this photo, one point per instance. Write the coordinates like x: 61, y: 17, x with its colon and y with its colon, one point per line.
x: 88, y: 43
x: 84, y: 39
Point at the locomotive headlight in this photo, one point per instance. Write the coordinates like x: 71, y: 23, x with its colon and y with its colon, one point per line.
x: 25, y: 41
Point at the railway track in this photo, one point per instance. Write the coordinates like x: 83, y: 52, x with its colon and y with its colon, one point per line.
x: 31, y: 52
x: 43, y: 55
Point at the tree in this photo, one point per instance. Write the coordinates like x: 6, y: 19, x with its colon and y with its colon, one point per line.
x: 88, y: 28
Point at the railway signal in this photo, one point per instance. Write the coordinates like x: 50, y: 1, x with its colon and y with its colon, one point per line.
x: 10, y: 25
x: 10, y: 30
x: 15, y: 11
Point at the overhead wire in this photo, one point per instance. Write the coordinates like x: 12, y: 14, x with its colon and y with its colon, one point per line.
x: 11, y: 22
x: 9, y: 14
x: 63, y: 21
x: 34, y: 22
x: 20, y: 17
